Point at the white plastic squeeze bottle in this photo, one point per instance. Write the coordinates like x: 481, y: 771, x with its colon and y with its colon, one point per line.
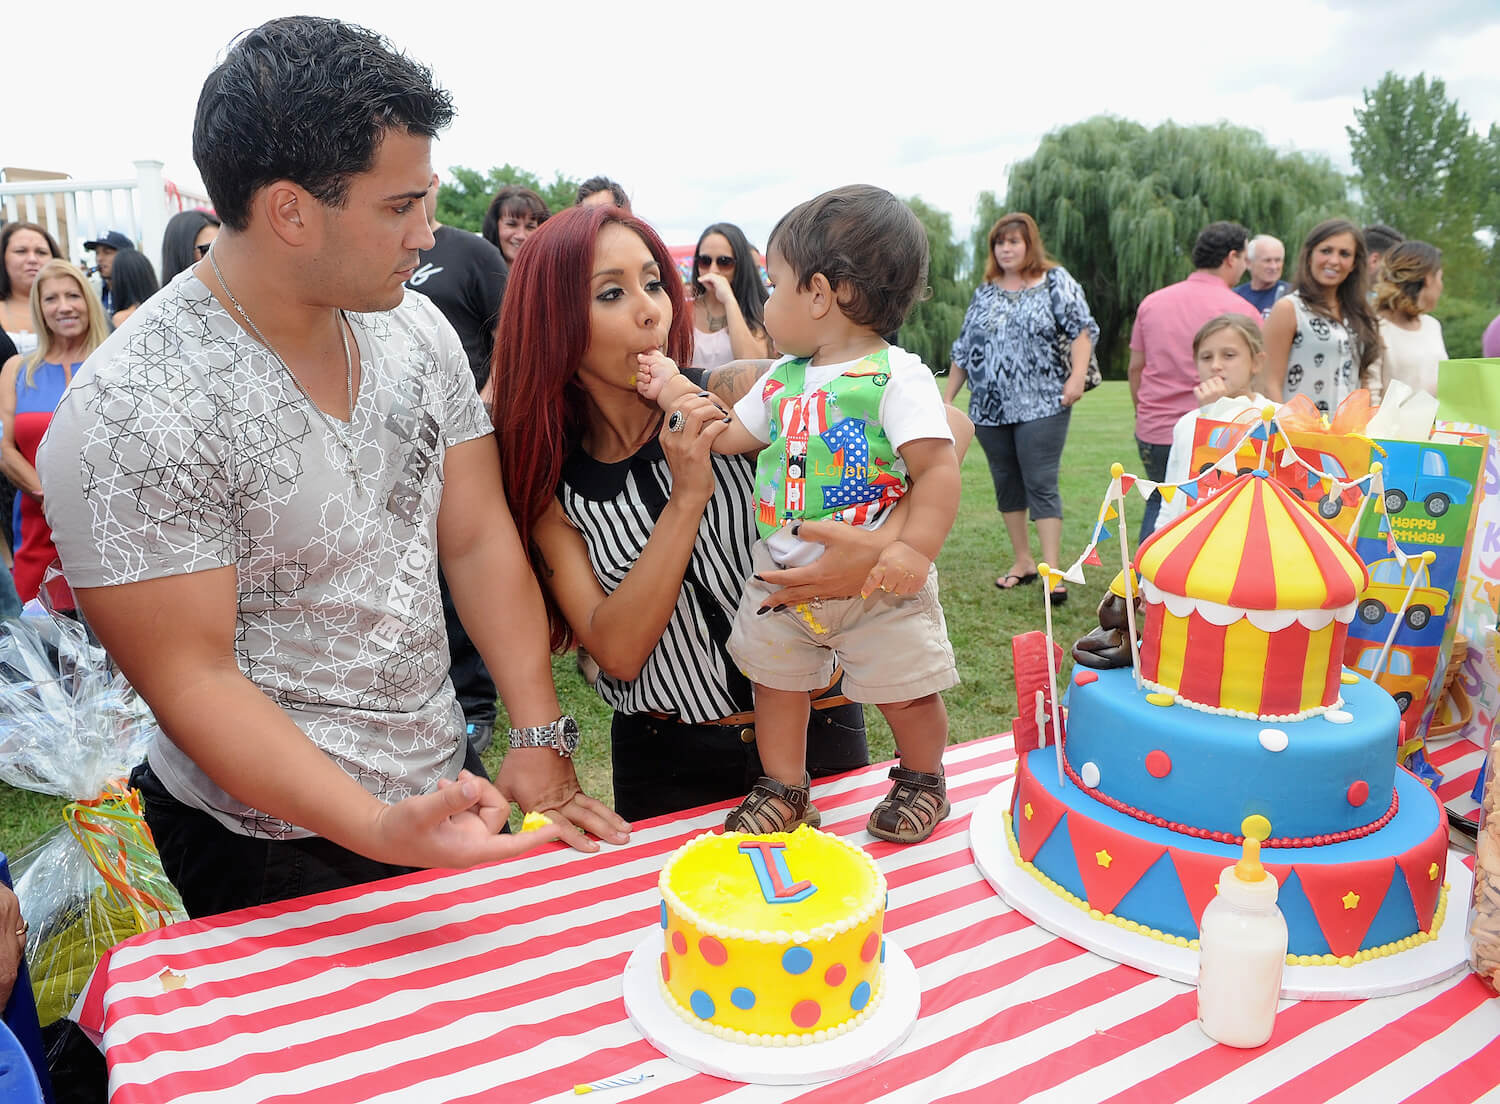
x: 1242, y: 949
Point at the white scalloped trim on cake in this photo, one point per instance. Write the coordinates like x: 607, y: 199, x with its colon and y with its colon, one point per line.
x: 722, y: 931
x: 1268, y: 621
x: 747, y: 1038
x: 1220, y: 711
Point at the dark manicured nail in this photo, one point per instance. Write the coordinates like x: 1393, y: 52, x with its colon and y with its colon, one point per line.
x: 728, y: 419
x: 762, y: 611
x: 796, y: 528
x: 778, y: 609
x: 703, y: 394
x: 759, y: 578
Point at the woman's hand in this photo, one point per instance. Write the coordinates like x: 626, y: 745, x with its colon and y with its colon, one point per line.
x: 850, y: 555
x: 718, y: 288
x: 688, y: 449
x: 1072, y: 390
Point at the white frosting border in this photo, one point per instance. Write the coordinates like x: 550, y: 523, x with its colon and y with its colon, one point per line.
x: 1268, y: 621
x: 721, y: 931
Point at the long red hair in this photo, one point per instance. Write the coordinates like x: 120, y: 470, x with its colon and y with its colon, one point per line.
x: 540, y: 410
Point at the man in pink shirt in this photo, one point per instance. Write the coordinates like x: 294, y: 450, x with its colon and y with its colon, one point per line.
x: 1162, y: 373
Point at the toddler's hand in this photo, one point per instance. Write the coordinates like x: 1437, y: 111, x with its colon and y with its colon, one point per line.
x: 656, y: 368
x: 901, y: 569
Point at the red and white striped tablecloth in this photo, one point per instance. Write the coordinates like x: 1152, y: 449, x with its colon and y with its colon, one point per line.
x: 503, y: 984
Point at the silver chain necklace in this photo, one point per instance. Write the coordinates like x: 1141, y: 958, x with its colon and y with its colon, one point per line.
x: 339, y: 433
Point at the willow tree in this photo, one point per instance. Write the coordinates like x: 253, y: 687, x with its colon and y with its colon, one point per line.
x: 933, y: 323
x: 1120, y: 205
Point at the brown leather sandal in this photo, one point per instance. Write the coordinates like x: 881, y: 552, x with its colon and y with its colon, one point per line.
x: 916, y: 805
x: 772, y: 806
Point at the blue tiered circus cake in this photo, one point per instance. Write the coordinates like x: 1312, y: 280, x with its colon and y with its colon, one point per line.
x: 1244, y: 720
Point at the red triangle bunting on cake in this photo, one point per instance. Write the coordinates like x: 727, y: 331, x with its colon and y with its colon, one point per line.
x: 1345, y: 898
x: 1424, y: 867
x: 1109, y: 861
x: 1198, y: 874
x: 1044, y: 812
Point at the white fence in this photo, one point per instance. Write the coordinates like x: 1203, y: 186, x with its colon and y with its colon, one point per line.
x: 76, y: 211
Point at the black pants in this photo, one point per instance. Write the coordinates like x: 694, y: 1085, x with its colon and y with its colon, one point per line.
x: 216, y: 870
x: 664, y: 767
x: 471, y: 678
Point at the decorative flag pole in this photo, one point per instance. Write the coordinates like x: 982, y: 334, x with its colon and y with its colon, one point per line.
x: 1047, y: 574
x: 1116, y: 470
x: 1266, y: 414
x: 1376, y: 490
x: 1426, y: 559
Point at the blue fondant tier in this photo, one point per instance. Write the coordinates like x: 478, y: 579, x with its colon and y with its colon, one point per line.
x: 1337, y: 899
x: 1217, y: 770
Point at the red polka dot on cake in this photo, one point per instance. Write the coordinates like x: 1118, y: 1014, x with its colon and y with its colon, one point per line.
x: 871, y: 948
x: 806, y: 1013
x: 1083, y: 678
x: 666, y: 968
x: 1358, y: 792
x: 836, y: 974
x: 679, y: 942
x: 713, y: 951
x: 1158, y: 763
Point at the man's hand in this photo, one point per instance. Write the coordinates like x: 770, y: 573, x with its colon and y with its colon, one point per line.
x: 456, y: 826
x: 541, y: 781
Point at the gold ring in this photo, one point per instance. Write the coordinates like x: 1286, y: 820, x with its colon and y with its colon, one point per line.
x: 23, y: 929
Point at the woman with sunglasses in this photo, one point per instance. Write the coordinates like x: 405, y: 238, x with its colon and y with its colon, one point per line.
x: 185, y: 241
x: 729, y: 300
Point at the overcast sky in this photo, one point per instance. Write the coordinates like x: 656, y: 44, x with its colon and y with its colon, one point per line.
x: 735, y: 112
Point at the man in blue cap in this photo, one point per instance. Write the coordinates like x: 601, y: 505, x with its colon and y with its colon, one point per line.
x: 104, y: 250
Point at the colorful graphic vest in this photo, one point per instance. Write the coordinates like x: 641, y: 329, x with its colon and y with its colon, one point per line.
x: 828, y: 457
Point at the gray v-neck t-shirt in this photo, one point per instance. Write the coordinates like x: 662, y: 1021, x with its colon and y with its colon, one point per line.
x: 183, y: 446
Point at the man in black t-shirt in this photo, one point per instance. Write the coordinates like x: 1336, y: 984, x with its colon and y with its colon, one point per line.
x: 464, y: 276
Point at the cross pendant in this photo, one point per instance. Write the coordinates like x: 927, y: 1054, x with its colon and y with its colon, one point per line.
x: 352, y: 471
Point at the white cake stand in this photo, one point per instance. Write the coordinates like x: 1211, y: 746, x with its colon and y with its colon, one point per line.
x: 1380, y: 977
x: 872, y: 1041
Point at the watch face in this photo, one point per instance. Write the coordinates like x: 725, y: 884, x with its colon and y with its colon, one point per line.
x: 567, y: 735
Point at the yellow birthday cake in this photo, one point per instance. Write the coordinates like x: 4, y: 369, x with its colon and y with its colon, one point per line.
x: 772, y: 940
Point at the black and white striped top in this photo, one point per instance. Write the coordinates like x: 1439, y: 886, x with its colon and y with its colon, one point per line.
x: 614, y: 506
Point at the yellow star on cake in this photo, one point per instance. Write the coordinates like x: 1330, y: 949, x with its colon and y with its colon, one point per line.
x: 1103, y: 858
x: 1029, y: 810
x: 1351, y: 900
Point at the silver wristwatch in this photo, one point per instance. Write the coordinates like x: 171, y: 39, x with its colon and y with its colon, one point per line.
x: 561, y: 735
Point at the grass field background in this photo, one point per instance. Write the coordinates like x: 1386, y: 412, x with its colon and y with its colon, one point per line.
x: 981, y: 619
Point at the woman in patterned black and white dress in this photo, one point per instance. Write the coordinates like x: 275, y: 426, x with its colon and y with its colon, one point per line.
x: 1322, y: 338
x: 1022, y: 385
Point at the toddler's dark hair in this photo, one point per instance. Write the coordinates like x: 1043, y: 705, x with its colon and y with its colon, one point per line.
x: 869, y: 246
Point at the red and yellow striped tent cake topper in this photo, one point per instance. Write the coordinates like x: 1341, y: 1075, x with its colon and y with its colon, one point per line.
x: 1260, y: 592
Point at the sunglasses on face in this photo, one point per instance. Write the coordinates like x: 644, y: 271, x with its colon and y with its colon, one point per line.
x: 704, y: 261
x: 202, y: 251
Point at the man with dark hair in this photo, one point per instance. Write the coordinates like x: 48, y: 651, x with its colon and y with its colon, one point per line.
x: 1380, y: 239
x: 251, y: 487
x: 601, y: 189
x: 464, y: 276
x: 1162, y: 373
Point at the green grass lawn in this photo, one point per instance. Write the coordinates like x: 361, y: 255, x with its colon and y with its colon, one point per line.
x: 981, y: 619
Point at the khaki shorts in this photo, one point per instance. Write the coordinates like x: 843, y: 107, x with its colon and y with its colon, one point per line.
x: 893, y: 649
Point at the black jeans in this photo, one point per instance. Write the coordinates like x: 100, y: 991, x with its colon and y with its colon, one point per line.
x: 662, y: 766
x: 216, y: 870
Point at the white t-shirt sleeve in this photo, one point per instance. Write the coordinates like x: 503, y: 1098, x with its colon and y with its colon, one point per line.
x: 753, y: 411
x: 133, y: 467
x: 912, y: 408
x: 464, y: 415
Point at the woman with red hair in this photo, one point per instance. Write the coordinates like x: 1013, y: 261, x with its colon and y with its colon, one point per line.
x: 640, y: 535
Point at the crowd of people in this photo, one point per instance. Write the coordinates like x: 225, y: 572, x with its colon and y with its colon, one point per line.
x: 378, y: 469
x: 381, y: 467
